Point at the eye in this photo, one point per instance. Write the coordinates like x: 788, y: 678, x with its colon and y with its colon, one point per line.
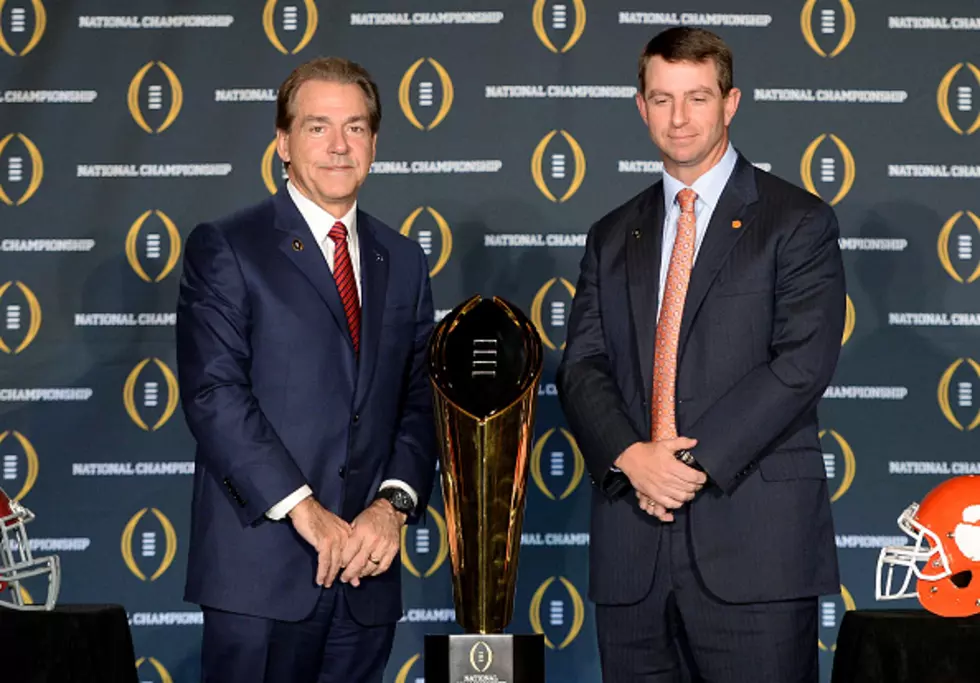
x: 357, y: 129
x: 659, y: 100
x: 315, y: 129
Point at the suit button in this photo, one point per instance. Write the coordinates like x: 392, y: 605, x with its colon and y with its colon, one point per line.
x: 342, y: 471
x: 356, y: 418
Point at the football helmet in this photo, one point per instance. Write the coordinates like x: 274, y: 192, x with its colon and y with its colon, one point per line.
x: 944, y: 558
x: 17, y: 563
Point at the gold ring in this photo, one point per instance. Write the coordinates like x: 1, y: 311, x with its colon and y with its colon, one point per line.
x: 374, y: 560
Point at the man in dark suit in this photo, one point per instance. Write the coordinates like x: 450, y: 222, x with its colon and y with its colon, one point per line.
x: 302, y: 327
x: 706, y: 325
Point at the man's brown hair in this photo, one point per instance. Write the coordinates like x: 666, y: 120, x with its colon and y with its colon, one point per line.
x: 333, y: 70
x: 685, y: 44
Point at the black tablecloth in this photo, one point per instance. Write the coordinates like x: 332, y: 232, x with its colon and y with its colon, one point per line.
x: 70, y: 644
x: 906, y: 646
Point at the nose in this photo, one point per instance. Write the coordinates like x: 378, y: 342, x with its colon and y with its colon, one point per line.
x: 679, y: 113
x: 337, y: 142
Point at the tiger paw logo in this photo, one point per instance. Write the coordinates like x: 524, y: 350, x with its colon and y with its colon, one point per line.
x: 433, y: 235
x: 20, y: 317
x: 148, y: 544
x: 832, y: 610
x: 150, y: 670
x: 156, y: 106
x: 850, y: 320
x: 565, y: 614
x: 142, y: 394
x: 837, y: 168
x: 404, y: 674
x: 419, y: 97
x: 958, y: 106
x: 425, y: 545
x: 558, y: 30
x: 838, y: 462
x: 959, y: 251
x: 22, y: 26
x: 956, y: 394
x: 21, y: 169
x: 295, y: 22
x: 273, y: 170
x: 19, y: 462
x: 152, y: 246
x: 550, y: 166
x: 550, y: 309
x: 563, y: 463
x: 834, y: 23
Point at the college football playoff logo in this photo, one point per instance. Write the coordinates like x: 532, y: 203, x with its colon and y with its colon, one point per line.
x: 20, y: 317
x: 835, y: 169
x: 288, y: 20
x: 550, y: 313
x: 557, y: 171
x: 963, y: 101
x: 837, y: 451
x: 956, y: 394
x: 13, y: 160
x: 424, y: 94
x: 147, y: 544
x: 14, y: 24
x: 556, y: 619
x: 421, y: 545
x: 839, y: 25
x: 966, y: 250
x: 553, y: 25
x: 152, y: 251
x: 424, y: 236
x: 153, y: 98
x: 16, y: 467
x: 557, y: 460
x: 144, y: 403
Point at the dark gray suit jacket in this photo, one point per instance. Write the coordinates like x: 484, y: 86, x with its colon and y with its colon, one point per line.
x: 759, y: 342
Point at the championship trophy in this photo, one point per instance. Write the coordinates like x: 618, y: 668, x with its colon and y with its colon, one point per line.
x: 485, y: 362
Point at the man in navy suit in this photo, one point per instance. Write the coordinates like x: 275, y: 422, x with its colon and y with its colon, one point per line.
x: 302, y: 329
x: 706, y: 325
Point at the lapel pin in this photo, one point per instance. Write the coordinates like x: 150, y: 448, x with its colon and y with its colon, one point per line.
x: 378, y: 257
x: 636, y: 233
x: 736, y: 224
x: 297, y: 245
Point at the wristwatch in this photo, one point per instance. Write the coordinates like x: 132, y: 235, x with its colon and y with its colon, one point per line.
x: 399, y: 499
x: 685, y: 457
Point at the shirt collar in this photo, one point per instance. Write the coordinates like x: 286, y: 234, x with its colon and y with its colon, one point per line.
x: 709, y: 186
x: 319, y: 220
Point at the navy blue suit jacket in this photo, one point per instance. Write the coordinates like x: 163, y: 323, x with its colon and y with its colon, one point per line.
x: 759, y: 341
x: 275, y: 398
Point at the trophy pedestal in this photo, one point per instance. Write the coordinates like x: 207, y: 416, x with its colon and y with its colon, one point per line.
x: 484, y: 658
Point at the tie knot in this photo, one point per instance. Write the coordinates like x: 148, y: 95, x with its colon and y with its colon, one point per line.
x: 338, y: 233
x: 686, y: 199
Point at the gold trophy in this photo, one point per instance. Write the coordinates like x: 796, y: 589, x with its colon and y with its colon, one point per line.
x: 485, y: 361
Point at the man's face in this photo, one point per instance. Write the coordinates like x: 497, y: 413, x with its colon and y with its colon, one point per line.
x: 330, y: 146
x: 685, y: 112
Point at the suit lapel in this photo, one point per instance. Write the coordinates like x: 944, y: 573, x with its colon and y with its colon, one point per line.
x: 737, y: 202
x: 299, y: 246
x: 374, y: 285
x: 644, y: 237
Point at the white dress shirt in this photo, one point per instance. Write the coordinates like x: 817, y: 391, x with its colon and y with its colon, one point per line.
x: 320, y: 222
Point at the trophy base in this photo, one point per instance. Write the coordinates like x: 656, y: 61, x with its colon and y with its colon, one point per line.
x: 484, y: 658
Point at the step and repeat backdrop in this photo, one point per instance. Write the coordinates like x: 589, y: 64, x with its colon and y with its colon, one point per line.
x: 509, y: 127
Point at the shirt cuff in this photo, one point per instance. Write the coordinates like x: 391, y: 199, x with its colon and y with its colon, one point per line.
x: 398, y: 483
x: 283, y: 507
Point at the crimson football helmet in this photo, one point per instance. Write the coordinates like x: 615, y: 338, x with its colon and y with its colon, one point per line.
x: 17, y: 563
x: 944, y: 558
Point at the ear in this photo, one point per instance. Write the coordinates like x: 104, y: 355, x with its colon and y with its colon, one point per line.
x: 282, y: 144
x: 731, y: 104
x: 641, y: 105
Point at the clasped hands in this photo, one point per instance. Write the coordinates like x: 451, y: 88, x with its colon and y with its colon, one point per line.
x: 365, y: 547
x: 661, y: 481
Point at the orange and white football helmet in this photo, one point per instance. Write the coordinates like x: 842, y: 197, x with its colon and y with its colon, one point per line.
x: 944, y: 558
x: 17, y: 563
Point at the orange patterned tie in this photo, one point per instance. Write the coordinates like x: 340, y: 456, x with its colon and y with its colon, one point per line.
x: 664, y: 421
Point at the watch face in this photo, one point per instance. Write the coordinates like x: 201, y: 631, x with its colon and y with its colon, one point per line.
x: 400, y: 500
